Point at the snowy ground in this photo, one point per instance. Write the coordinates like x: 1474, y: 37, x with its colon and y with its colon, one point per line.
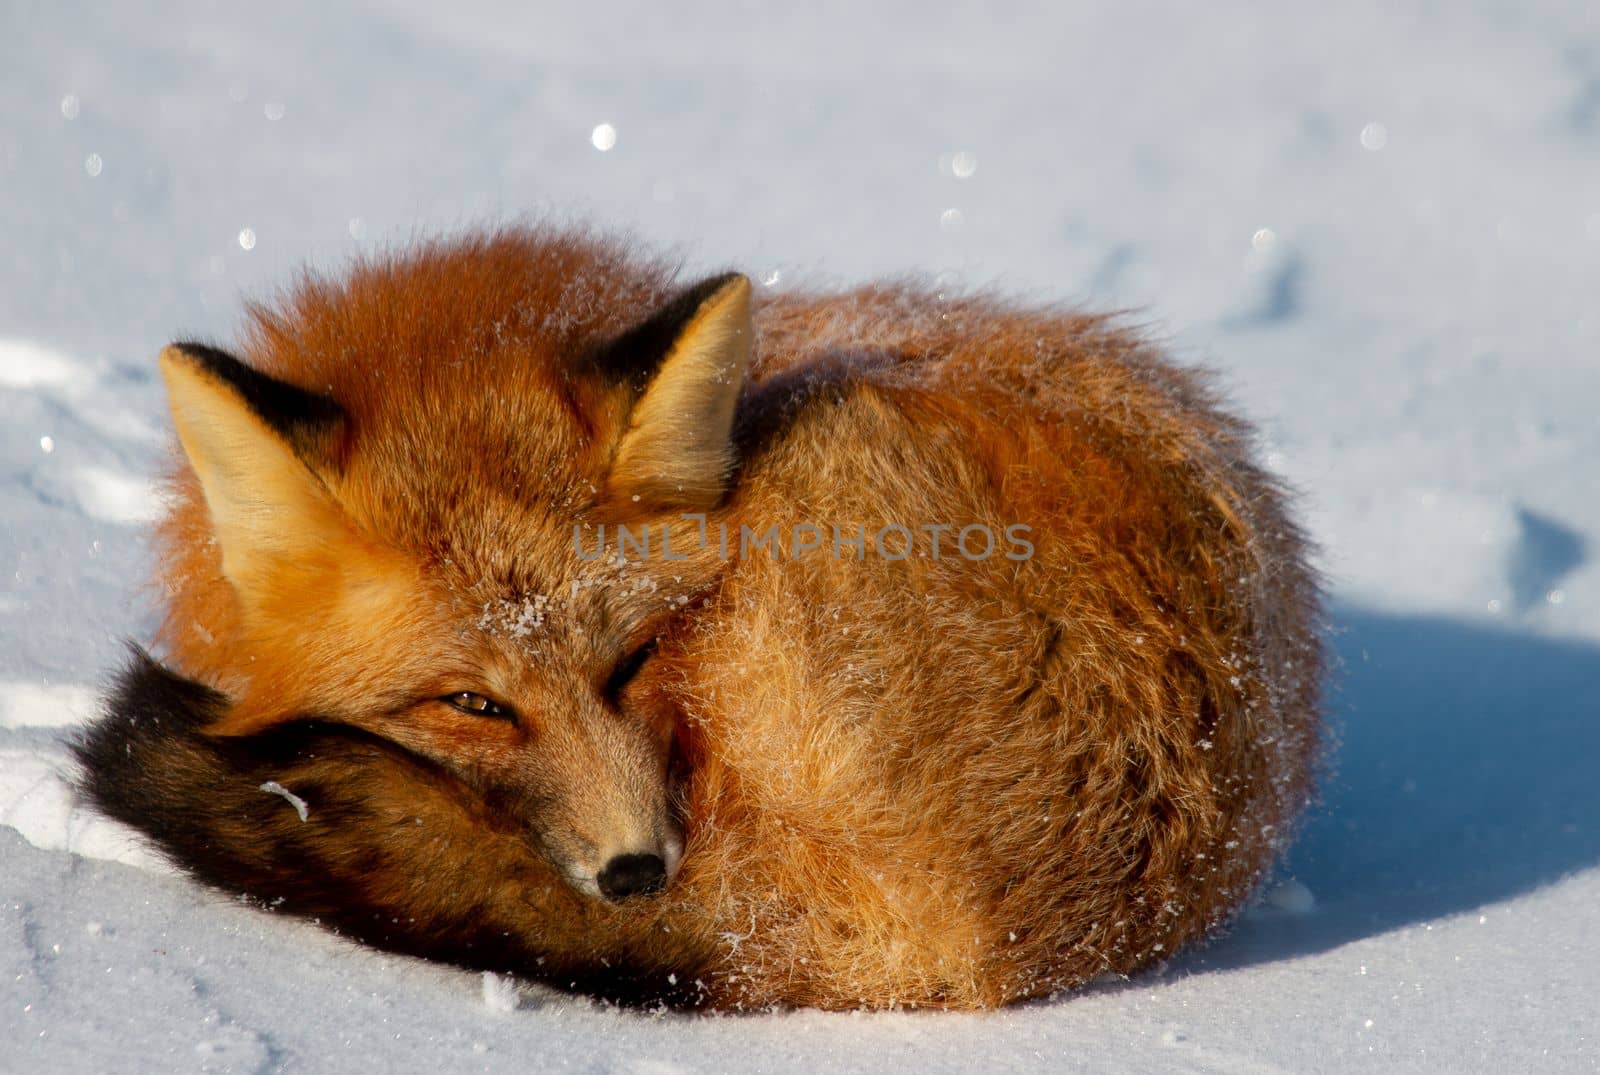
x: 1381, y: 221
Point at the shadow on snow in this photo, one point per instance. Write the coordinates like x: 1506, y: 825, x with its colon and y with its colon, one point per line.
x: 1464, y: 774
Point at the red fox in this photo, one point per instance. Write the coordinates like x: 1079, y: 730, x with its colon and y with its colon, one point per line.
x: 526, y: 609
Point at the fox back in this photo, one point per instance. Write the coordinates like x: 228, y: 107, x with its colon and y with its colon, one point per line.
x: 527, y: 609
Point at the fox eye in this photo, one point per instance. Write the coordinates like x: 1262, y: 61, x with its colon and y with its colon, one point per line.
x: 478, y: 705
x: 627, y: 668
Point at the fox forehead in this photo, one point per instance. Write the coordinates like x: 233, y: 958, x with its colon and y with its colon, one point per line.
x: 465, y: 372
x: 494, y: 469
x: 516, y: 609
x: 386, y: 632
x: 496, y: 526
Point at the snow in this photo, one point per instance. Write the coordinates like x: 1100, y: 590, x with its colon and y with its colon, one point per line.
x: 500, y: 992
x: 24, y: 704
x: 1380, y: 221
x: 272, y: 787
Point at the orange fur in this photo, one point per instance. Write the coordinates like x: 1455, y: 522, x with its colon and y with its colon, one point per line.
x: 942, y: 782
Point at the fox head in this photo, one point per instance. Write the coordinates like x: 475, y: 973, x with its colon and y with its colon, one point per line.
x: 388, y: 520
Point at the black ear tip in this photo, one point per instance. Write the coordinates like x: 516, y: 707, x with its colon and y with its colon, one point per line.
x: 305, y: 418
x: 634, y: 356
x: 713, y: 286
x: 214, y: 359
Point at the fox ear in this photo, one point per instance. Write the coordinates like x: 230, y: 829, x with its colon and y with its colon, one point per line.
x: 253, y: 442
x: 677, y: 451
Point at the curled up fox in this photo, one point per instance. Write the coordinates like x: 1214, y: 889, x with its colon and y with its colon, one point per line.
x: 528, y: 608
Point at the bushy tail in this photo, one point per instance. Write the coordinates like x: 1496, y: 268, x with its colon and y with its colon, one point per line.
x: 324, y: 821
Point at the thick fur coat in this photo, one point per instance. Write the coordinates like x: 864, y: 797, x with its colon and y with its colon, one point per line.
x: 857, y: 777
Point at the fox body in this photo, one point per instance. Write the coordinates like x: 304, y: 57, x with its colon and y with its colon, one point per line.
x: 870, y: 648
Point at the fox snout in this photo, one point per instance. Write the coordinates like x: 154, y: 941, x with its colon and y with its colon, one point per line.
x: 637, y: 873
x: 632, y: 875
x: 626, y: 870
x: 604, y: 817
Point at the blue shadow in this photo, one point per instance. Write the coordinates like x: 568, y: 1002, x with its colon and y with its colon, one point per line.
x: 1465, y: 773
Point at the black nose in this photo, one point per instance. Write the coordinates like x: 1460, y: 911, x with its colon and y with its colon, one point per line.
x: 632, y: 875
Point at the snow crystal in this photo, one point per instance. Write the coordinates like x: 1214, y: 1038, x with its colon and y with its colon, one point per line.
x: 500, y: 994
x: 518, y: 618
x: 272, y: 787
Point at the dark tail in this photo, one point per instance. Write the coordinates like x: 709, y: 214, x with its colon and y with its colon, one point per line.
x: 391, y: 850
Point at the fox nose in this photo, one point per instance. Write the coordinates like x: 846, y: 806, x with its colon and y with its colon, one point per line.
x: 632, y: 875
